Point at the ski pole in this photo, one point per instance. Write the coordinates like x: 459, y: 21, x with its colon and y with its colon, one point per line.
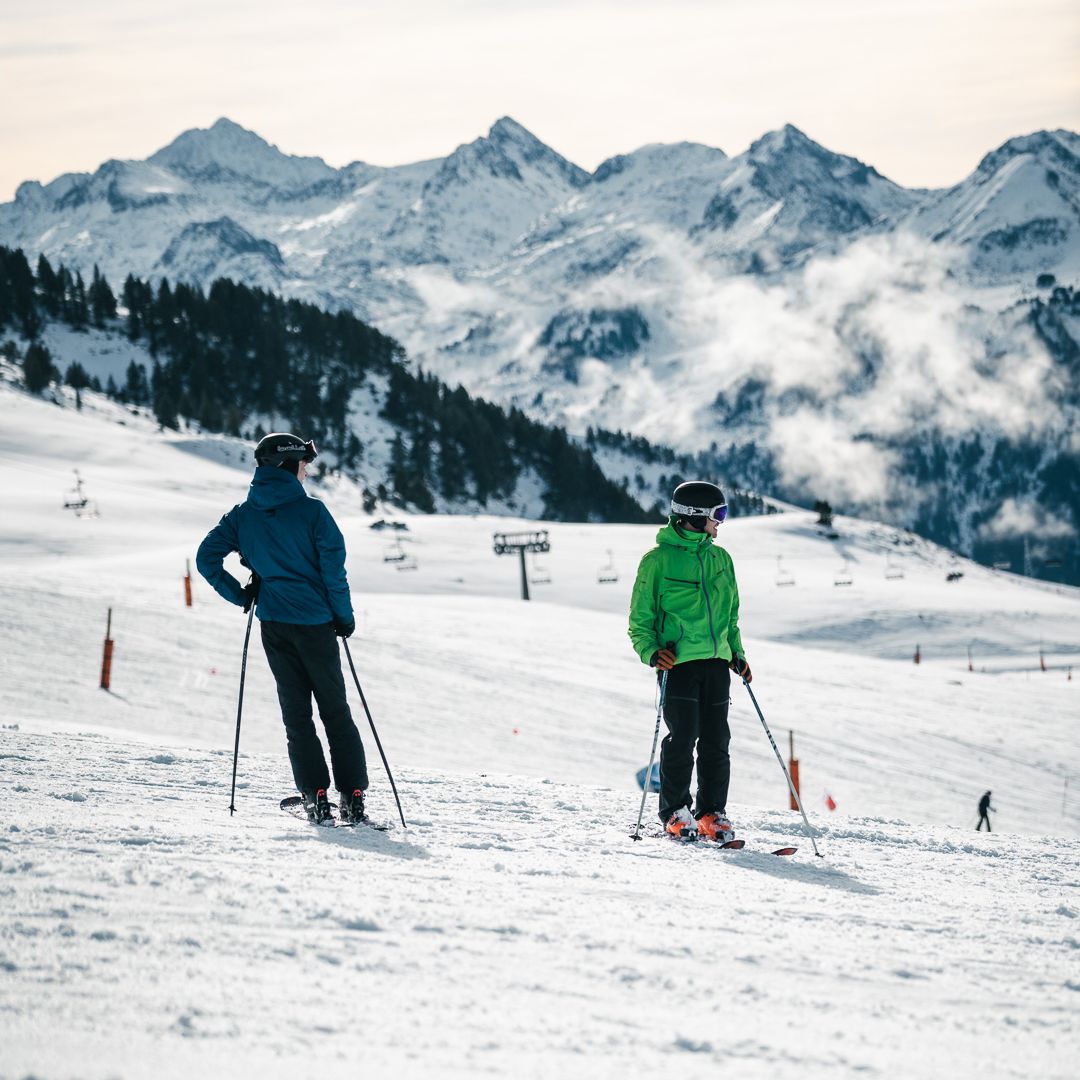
x: 363, y: 700
x: 636, y: 834
x: 787, y: 775
x: 250, y: 608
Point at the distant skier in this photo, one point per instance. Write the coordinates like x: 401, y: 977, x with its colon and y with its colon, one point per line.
x: 297, y: 555
x: 685, y: 597
x: 984, y: 807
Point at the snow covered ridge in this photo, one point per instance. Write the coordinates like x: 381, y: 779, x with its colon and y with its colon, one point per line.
x: 835, y: 335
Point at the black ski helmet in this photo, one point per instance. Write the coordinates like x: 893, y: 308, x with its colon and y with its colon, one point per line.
x: 280, y: 448
x: 696, y: 501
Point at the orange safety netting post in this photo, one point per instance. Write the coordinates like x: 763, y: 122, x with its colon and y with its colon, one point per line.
x: 918, y: 657
x: 187, y: 583
x: 793, y: 768
x: 106, y: 658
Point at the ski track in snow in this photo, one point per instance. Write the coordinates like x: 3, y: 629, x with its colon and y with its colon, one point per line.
x: 514, y: 929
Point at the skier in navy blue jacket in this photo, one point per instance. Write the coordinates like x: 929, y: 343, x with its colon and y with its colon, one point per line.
x: 297, y: 556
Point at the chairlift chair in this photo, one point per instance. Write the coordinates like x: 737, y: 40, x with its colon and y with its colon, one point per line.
x: 76, y: 498
x: 783, y: 577
x: 395, y: 554
x: 408, y: 562
x: 892, y: 571
x: 843, y: 575
x: 607, y: 574
x: 540, y: 574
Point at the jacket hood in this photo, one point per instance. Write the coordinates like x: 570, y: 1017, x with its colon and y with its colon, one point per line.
x: 688, y: 540
x: 272, y: 487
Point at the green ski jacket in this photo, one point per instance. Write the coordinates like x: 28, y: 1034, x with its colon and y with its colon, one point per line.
x: 685, y: 593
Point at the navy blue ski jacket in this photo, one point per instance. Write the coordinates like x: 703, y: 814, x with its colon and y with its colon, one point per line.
x: 292, y: 542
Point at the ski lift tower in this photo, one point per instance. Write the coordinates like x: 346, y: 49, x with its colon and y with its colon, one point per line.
x: 518, y: 544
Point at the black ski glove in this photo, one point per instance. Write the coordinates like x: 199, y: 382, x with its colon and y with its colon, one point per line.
x: 739, y: 665
x: 662, y: 660
x: 251, y: 593
x: 344, y: 629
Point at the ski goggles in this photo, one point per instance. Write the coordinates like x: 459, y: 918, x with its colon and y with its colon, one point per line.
x: 714, y: 513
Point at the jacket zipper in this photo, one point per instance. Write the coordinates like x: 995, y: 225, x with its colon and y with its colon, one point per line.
x: 708, y: 604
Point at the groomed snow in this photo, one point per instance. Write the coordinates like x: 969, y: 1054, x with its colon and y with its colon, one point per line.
x: 515, y: 929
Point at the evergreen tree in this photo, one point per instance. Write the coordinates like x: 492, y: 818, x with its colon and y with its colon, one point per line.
x: 102, y: 301
x: 80, y: 308
x: 18, y: 305
x: 76, y: 376
x: 50, y: 287
x: 38, y: 369
x: 133, y: 302
x: 136, y: 389
x: 165, y: 401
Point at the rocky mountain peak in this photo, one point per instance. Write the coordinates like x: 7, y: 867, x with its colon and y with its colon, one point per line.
x: 1059, y: 150
x: 507, y: 151
x: 226, y: 151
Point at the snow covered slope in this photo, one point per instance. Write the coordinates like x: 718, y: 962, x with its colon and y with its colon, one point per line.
x: 515, y: 929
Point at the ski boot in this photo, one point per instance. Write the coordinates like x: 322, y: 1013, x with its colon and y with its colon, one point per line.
x: 681, y: 825
x: 351, y: 807
x: 713, y: 826
x: 318, y: 808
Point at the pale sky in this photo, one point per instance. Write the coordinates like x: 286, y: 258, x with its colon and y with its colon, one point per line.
x: 920, y: 89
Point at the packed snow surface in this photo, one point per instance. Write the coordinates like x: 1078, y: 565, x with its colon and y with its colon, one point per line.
x: 514, y: 929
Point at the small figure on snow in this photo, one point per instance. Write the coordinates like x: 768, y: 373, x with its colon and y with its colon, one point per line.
x: 684, y: 619
x: 984, y: 807
x: 297, y: 556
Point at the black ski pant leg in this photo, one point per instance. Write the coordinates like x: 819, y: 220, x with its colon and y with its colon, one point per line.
x: 322, y: 658
x: 714, y: 736
x: 983, y: 818
x: 682, y: 714
x: 284, y: 655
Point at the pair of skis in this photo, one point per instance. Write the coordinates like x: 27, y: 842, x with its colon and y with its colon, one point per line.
x: 729, y: 845
x: 294, y: 805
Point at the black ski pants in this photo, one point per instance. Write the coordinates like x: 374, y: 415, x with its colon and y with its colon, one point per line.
x: 305, y: 661
x: 696, y: 714
x: 983, y: 817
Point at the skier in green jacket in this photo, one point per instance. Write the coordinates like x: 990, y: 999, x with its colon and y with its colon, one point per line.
x: 684, y: 619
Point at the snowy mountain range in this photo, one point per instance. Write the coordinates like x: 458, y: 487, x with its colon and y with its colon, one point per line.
x: 829, y: 332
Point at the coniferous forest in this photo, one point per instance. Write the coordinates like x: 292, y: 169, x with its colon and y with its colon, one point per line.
x: 234, y: 357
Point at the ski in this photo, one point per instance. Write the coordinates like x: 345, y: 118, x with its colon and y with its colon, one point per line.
x: 294, y: 805
x: 738, y: 845
x: 730, y: 845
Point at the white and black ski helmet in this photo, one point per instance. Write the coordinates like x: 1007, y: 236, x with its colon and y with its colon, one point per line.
x: 696, y: 501
x: 280, y: 447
